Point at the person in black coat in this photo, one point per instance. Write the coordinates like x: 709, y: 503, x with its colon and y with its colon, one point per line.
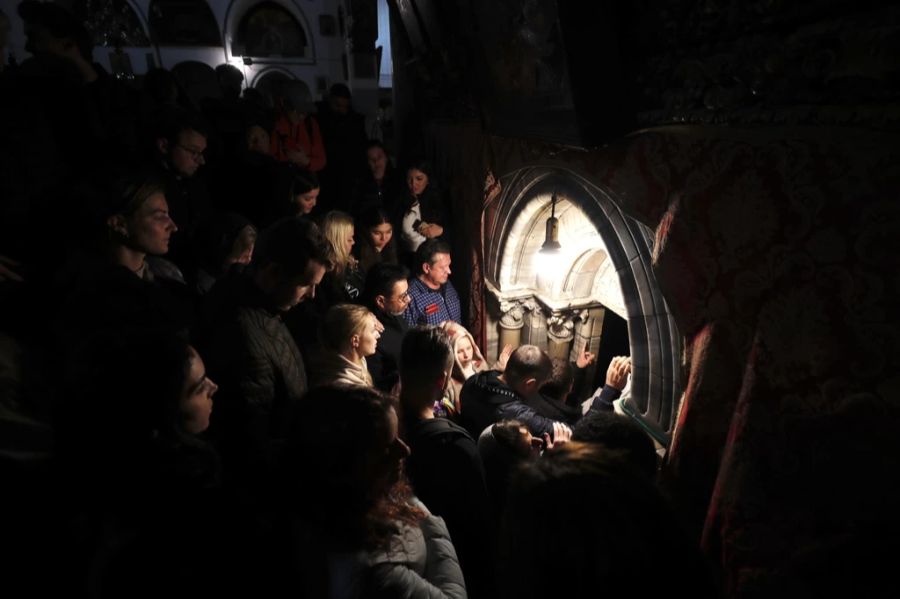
x: 381, y: 187
x: 444, y: 466
x: 491, y: 396
x: 386, y: 296
x: 250, y: 350
x: 554, y: 399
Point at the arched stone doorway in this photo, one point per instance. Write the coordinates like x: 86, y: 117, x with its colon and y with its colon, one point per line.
x: 559, y: 304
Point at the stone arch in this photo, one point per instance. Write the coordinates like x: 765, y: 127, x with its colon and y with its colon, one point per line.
x: 291, y: 20
x: 266, y: 78
x: 511, y: 230
x: 583, y: 278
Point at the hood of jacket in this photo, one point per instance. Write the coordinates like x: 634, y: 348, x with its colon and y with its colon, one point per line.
x: 492, y: 390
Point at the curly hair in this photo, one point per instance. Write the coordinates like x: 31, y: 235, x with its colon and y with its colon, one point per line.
x: 336, y: 434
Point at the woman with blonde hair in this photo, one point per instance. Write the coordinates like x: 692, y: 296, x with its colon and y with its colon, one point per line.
x: 345, y: 282
x: 467, y: 360
x: 348, y: 334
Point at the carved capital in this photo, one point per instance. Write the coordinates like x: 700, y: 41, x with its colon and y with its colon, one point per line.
x: 561, y: 327
x: 512, y: 314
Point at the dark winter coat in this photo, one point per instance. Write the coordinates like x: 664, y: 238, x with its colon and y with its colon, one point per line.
x: 485, y: 400
x: 250, y: 353
x: 445, y: 470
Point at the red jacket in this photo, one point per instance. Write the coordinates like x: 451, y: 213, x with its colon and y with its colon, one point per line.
x: 304, y: 135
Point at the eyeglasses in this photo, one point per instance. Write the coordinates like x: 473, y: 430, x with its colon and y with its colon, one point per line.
x: 404, y: 297
x: 195, y: 154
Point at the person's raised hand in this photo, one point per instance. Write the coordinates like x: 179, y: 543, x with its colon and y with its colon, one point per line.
x: 504, y: 357
x: 562, y: 434
x: 585, y: 358
x: 617, y: 373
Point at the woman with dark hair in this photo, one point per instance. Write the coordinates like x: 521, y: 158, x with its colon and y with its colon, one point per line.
x: 147, y: 442
x: 298, y: 195
x: 142, y: 487
x: 424, y: 216
x: 375, y: 241
x: 603, y: 528
x: 381, y: 186
x: 360, y: 532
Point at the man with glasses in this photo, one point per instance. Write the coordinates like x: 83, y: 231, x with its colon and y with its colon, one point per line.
x: 180, y: 141
x: 387, y: 296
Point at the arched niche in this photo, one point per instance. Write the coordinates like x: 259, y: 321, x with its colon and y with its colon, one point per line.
x: 604, y: 264
x: 268, y: 31
x: 183, y: 23
x: 272, y: 81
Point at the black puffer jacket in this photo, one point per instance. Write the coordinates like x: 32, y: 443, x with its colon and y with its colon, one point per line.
x: 485, y: 399
x: 384, y: 364
x: 250, y: 353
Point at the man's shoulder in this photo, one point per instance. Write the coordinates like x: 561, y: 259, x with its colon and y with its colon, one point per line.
x: 416, y: 284
x: 418, y: 289
x: 440, y: 435
x: 487, y: 386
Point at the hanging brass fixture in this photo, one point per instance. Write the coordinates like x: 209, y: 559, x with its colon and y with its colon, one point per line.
x: 551, y: 239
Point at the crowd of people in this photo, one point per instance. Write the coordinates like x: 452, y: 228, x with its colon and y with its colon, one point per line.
x: 234, y: 361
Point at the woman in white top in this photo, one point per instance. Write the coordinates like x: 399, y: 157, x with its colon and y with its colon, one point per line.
x: 423, y: 215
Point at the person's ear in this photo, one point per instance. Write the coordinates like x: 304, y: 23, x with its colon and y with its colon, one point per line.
x: 379, y: 301
x: 162, y: 144
x: 442, y: 380
x: 117, y: 223
x: 531, y: 384
x: 354, y: 341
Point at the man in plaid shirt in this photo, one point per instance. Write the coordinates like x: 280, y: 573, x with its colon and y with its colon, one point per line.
x: 433, y: 298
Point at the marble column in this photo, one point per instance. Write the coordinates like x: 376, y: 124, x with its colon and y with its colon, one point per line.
x: 560, y: 333
x: 511, y: 321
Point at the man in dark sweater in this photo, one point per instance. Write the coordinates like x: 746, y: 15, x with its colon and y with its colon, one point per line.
x: 386, y: 295
x: 249, y: 349
x: 491, y: 396
x: 444, y: 465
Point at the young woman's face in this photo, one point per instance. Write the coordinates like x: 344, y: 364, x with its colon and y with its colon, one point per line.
x: 416, y: 181
x: 150, y: 227
x: 464, y: 351
x: 368, y: 339
x: 306, y: 201
x: 196, y: 403
x: 348, y: 241
x: 385, y: 461
x: 377, y: 160
x: 381, y: 235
